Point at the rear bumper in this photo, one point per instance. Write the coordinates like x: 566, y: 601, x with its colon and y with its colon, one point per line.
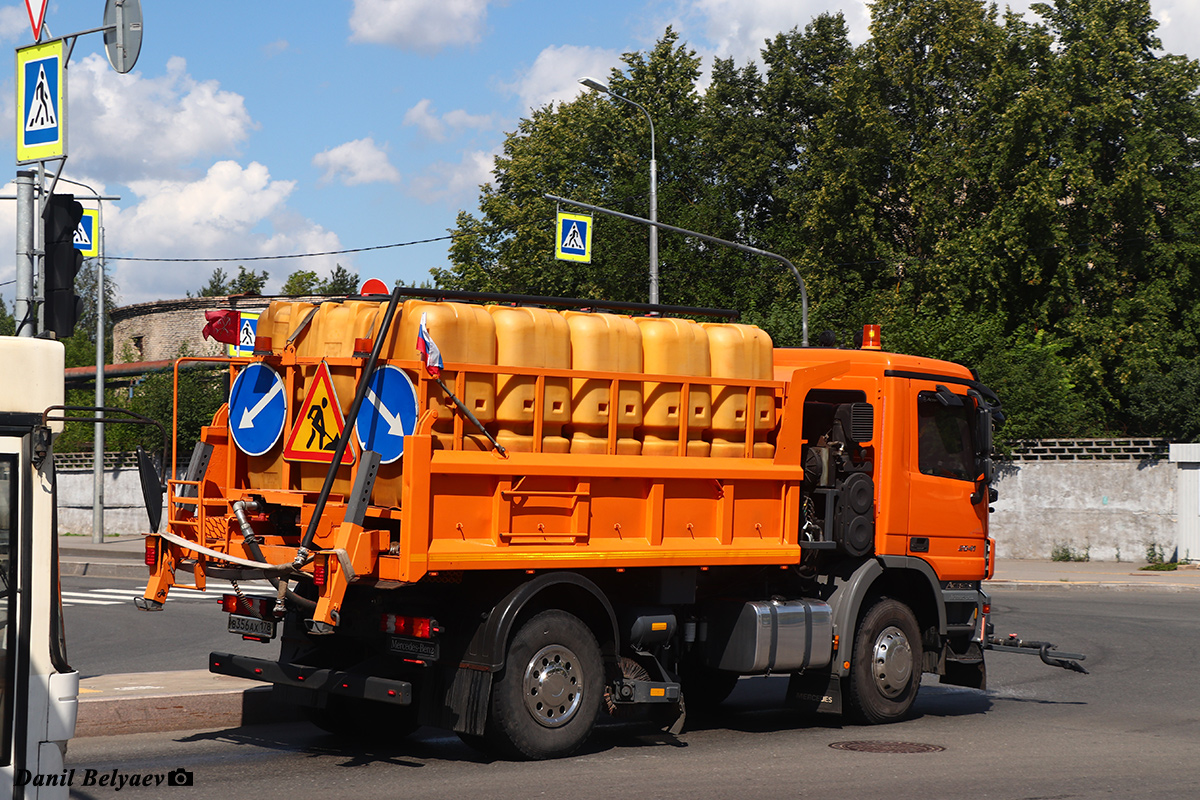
x: 350, y: 684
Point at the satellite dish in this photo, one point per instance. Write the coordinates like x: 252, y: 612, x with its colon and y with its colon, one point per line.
x: 124, y: 41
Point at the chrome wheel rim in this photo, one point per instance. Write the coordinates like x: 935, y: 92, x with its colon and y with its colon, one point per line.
x: 553, y: 686
x: 891, y: 662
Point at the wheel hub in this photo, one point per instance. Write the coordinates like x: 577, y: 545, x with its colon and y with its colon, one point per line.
x: 891, y: 662
x: 553, y: 686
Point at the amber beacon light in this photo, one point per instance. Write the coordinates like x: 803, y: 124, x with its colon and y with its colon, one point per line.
x: 871, y: 340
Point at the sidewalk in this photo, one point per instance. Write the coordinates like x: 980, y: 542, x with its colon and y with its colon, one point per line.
x: 188, y: 700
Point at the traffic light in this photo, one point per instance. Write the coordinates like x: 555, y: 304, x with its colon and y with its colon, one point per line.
x: 62, y: 307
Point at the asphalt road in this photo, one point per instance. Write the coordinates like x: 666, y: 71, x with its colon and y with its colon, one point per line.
x: 1131, y: 729
x: 107, y: 635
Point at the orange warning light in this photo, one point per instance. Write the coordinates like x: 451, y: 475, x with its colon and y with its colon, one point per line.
x: 871, y: 338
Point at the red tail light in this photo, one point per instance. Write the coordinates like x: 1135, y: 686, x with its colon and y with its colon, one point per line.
x: 151, y: 551
x: 262, y: 607
x: 420, y: 627
x: 319, y: 567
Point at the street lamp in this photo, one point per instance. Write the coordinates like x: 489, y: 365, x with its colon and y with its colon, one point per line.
x: 591, y: 83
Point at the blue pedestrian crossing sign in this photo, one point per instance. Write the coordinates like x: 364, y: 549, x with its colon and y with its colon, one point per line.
x: 41, y: 112
x: 388, y: 413
x: 87, y: 235
x: 257, y: 409
x: 574, y: 239
x: 246, y: 334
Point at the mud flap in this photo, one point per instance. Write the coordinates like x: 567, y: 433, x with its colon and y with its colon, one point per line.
x: 815, y: 693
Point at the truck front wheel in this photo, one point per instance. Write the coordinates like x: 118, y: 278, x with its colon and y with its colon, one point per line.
x: 544, y: 703
x: 885, y: 668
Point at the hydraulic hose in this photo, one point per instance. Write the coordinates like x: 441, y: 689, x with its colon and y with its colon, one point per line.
x: 240, y: 507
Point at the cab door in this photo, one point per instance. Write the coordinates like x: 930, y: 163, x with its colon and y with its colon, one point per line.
x: 947, y: 512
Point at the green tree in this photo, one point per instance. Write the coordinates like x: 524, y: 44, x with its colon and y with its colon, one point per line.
x: 217, y: 286
x: 1021, y: 195
x: 300, y: 283
x: 340, y: 282
x: 248, y: 281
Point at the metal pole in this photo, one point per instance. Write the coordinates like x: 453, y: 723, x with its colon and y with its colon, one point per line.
x: 98, y: 435
x: 600, y: 87
x: 22, y: 308
x: 98, y: 438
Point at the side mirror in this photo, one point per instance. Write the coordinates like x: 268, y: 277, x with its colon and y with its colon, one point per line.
x: 152, y: 488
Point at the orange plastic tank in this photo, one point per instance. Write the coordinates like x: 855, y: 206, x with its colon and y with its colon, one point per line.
x: 605, y: 343
x: 279, y: 320
x: 740, y: 352
x: 533, y: 338
x: 465, y: 334
x: 674, y: 347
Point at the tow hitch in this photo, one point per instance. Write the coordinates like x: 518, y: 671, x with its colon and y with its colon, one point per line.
x: 1046, y: 650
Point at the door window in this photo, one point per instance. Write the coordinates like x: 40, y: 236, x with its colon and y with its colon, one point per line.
x: 944, y: 445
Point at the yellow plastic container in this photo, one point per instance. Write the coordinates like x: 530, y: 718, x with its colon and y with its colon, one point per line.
x: 674, y: 347
x: 279, y: 320
x: 537, y: 339
x: 465, y: 334
x: 740, y: 352
x: 605, y: 343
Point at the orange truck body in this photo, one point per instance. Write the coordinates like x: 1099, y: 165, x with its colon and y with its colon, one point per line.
x: 638, y: 452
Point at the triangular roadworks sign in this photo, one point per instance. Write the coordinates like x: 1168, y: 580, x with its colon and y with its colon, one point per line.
x: 315, y: 434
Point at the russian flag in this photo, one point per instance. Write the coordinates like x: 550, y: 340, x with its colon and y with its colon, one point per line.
x: 431, y: 357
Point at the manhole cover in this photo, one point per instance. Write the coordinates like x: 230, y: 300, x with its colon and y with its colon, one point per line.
x: 888, y: 747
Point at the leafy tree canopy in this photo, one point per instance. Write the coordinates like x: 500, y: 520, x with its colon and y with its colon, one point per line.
x: 1020, y: 194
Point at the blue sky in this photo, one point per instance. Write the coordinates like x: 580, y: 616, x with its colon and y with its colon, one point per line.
x: 263, y: 127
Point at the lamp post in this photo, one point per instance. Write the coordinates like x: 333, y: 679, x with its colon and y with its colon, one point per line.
x: 600, y: 87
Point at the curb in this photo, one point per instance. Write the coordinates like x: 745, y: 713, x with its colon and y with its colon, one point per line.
x: 104, y: 569
x: 1073, y: 585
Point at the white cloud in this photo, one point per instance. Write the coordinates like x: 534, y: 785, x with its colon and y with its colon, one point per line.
x: 422, y: 25
x: 424, y: 117
x: 420, y: 117
x: 14, y: 25
x: 554, y: 76
x: 233, y: 211
x: 733, y: 28
x: 127, y: 127
x: 357, y: 162
x: 455, y: 184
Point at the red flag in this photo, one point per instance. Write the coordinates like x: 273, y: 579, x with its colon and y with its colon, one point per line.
x: 223, y: 326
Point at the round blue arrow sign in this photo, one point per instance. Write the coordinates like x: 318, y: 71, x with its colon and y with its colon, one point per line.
x: 257, y: 409
x: 388, y: 413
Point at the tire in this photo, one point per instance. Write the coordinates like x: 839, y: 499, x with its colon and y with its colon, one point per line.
x: 885, y: 668
x: 364, y: 720
x: 544, y: 703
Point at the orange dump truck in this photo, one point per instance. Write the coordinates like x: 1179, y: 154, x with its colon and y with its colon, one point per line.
x: 583, y: 511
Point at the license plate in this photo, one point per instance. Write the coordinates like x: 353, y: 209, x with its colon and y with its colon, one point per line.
x: 252, y: 626
x: 419, y: 648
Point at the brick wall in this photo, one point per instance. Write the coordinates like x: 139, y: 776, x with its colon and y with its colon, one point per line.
x: 156, y: 331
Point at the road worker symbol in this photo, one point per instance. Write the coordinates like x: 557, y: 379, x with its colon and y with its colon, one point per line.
x: 315, y: 433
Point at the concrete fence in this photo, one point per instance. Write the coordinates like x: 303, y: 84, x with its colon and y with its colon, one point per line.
x: 1103, y: 499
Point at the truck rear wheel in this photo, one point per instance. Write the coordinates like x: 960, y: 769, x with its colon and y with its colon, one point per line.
x: 544, y: 703
x: 885, y: 668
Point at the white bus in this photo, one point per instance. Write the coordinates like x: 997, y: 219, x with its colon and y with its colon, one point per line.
x: 40, y: 694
